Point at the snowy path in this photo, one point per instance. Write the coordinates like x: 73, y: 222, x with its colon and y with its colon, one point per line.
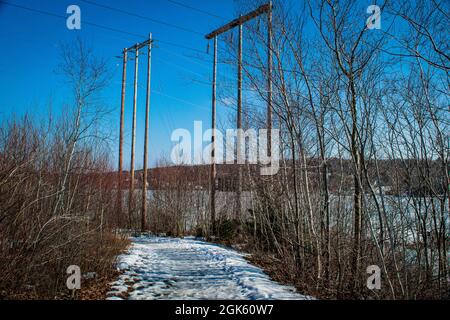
x: 178, y: 269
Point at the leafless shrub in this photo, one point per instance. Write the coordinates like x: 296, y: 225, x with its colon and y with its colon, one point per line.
x: 56, y: 190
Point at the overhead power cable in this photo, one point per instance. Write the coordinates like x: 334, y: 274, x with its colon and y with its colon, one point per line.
x: 180, y: 46
x: 64, y: 17
x: 196, y: 9
x: 168, y: 24
x: 141, y: 36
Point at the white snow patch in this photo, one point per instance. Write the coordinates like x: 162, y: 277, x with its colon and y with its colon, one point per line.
x: 189, y: 269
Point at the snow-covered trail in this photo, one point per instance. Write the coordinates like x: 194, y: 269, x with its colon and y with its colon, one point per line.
x: 178, y: 269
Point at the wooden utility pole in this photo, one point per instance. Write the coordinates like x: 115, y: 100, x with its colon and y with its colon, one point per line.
x: 269, y: 80
x: 267, y: 8
x: 144, y: 225
x: 122, y: 119
x: 133, y: 137
x: 239, y: 127
x: 213, y: 141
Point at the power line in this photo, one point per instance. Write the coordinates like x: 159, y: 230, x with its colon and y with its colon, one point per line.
x: 196, y: 9
x: 161, y: 93
x: 64, y: 17
x: 181, y: 100
x: 196, y: 61
x: 105, y: 27
x: 180, y: 46
x: 55, y: 15
x: 176, y: 98
x: 168, y: 24
x: 180, y: 67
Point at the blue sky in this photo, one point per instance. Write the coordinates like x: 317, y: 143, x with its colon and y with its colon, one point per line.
x: 30, y: 55
x: 181, y: 93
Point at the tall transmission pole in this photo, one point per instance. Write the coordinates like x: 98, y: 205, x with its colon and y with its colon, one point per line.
x: 213, y: 141
x: 133, y: 137
x: 269, y: 80
x: 122, y: 116
x: 264, y: 9
x: 239, y: 127
x: 144, y: 223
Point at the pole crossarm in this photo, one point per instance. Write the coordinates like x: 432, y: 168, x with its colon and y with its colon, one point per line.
x: 266, y: 8
x: 139, y: 46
